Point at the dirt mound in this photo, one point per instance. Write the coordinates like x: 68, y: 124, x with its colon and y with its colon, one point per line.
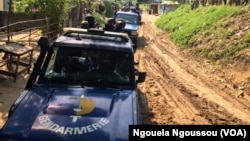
x: 241, y: 63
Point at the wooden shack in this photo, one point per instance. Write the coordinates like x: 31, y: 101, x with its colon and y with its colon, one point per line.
x: 168, y: 6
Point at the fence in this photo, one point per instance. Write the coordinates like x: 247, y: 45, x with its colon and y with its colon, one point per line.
x: 28, y: 34
x: 16, y: 53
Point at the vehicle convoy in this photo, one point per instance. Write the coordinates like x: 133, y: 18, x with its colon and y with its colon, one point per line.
x: 133, y: 22
x: 82, y: 87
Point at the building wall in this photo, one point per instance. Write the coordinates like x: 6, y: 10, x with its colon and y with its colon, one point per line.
x: 155, y: 8
x: 1, y: 5
x: 4, y: 5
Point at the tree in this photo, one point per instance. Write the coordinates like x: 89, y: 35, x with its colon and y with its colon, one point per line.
x: 54, y: 10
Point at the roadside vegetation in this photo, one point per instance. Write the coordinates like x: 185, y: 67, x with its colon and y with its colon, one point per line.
x: 57, y: 11
x: 212, y: 32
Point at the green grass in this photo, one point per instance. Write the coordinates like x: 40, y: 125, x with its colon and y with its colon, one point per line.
x: 185, y: 26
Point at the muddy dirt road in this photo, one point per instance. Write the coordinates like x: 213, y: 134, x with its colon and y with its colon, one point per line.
x: 179, y: 90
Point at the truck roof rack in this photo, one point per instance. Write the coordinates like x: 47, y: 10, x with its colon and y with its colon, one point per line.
x: 79, y: 33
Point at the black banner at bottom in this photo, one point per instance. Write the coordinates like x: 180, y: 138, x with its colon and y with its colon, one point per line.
x: 189, y: 132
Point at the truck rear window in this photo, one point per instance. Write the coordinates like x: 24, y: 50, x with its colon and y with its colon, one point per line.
x: 130, y: 19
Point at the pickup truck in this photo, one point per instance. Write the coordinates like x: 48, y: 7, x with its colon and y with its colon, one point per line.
x: 133, y: 22
x: 83, y: 87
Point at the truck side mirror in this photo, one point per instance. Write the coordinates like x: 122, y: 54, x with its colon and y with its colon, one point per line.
x: 140, y: 23
x: 141, y: 77
x: 43, y: 42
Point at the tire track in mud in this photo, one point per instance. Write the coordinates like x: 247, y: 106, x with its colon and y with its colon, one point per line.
x: 179, y: 106
x: 172, y: 100
x: 211, y: 111
x: 222, y: 109
x: 176, y: 93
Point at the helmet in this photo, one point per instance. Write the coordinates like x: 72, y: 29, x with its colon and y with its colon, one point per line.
x: 91, y: 20
x: 85, y: 24
x: 121, y: 22
x: 111, y: 21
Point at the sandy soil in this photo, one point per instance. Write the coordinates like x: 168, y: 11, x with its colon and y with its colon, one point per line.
x: 177, y: 90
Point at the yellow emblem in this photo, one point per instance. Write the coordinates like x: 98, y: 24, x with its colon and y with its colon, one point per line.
x: 85, y: 106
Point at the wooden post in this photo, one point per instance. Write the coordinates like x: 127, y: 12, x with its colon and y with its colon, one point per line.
x: 10, y: 3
